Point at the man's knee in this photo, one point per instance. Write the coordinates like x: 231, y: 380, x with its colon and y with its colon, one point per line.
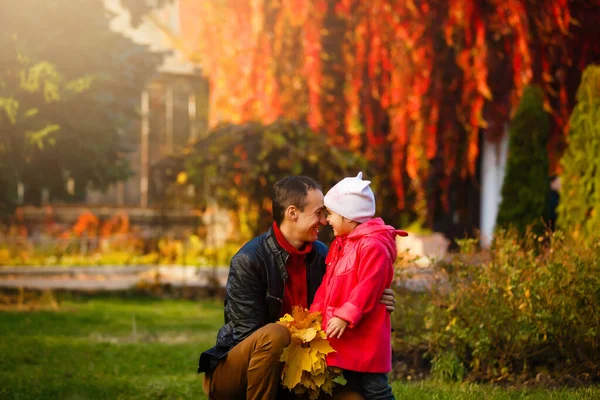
x: 277, y: 336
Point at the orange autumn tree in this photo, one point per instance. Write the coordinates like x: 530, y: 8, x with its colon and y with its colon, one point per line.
x: 411, y: 85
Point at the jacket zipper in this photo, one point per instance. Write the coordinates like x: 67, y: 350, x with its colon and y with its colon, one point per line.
x: 275, y: 298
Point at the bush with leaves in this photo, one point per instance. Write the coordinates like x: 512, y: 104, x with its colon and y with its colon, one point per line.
x: 579, y: 207
x: 240, y: 163
x: 531, y: 308
x: 526, y: 184
x: 69, y: 89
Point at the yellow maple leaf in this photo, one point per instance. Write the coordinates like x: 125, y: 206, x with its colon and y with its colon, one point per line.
x: 285, y: 355
x: 297, y: 359
x: 305, y: 319
x: 287, y: 318
x: 306, y: 335
x: 319, y: 379
x: 327, y: 386
x: 318, y: 362
x: 300, y: 390
x: 321, y: 345
x: 299, y: 314
x: 311, y: 387
x: 307, y: 381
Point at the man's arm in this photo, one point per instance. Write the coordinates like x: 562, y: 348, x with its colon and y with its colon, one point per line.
x: 245, y: 301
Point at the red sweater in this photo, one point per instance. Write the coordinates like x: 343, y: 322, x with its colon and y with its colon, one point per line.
x: 359, y: 268
x: 295, y: 292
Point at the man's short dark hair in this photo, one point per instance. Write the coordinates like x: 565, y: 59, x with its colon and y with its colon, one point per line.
x: 291, y: 191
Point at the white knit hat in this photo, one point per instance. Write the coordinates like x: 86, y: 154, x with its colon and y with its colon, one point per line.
x: 352, y: 198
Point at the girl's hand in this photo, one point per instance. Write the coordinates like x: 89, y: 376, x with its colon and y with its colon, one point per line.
x: 336, y: 327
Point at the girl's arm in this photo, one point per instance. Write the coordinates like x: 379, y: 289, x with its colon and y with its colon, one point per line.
x: 374, y: 265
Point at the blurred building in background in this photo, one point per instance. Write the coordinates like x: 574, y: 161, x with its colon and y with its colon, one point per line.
x: 173, y: 109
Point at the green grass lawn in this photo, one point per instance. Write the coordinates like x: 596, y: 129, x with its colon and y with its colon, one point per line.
x: 106, y: 349
x: 135, y: 348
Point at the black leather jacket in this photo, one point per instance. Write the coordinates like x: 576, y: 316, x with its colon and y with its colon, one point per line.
x: 255, y: 285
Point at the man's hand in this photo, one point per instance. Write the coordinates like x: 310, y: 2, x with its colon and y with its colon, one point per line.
x: 389, y: 299
x: 336, y: 327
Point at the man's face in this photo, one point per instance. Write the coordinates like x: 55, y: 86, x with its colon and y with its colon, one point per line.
x: 312, y: 218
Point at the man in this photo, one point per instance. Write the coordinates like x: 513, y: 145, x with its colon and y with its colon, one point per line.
x: 267, y: 277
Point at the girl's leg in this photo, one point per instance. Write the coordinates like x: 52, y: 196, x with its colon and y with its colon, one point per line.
x: 373, y: 386
x: 376, y: 387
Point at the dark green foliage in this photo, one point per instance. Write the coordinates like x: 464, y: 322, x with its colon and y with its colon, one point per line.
x: 579, y: 208
x: 72, y: 87
x: 526, y: 182
x: 244, y: 161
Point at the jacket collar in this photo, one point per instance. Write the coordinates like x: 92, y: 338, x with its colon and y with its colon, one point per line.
x: 281, y: 255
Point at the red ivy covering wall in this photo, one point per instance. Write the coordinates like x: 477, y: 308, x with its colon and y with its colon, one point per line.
x: 421, y: 78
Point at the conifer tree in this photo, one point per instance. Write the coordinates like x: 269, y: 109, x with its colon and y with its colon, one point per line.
x: 525, y: 186
x: 579, y: 207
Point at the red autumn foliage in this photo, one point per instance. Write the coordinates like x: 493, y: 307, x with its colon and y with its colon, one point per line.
x: 408, y: 84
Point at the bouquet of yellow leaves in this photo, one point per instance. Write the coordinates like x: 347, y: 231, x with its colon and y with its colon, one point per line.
x: 305, y: 370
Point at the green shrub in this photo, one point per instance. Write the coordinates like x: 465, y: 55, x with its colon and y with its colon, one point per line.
x: 448, y: 367
x: 579, y: 207
x: 526, y: 183
x: 530, y: 308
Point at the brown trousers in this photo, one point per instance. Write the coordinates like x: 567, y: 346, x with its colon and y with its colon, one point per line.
x: 252, y: 369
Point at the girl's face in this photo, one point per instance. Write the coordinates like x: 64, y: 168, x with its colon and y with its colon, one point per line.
x: 341, y: 226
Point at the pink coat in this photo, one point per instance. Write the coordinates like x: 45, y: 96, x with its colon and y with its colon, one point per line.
x: 359, y: 268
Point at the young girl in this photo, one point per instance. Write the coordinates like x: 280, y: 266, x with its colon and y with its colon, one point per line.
x: 359, y: 268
